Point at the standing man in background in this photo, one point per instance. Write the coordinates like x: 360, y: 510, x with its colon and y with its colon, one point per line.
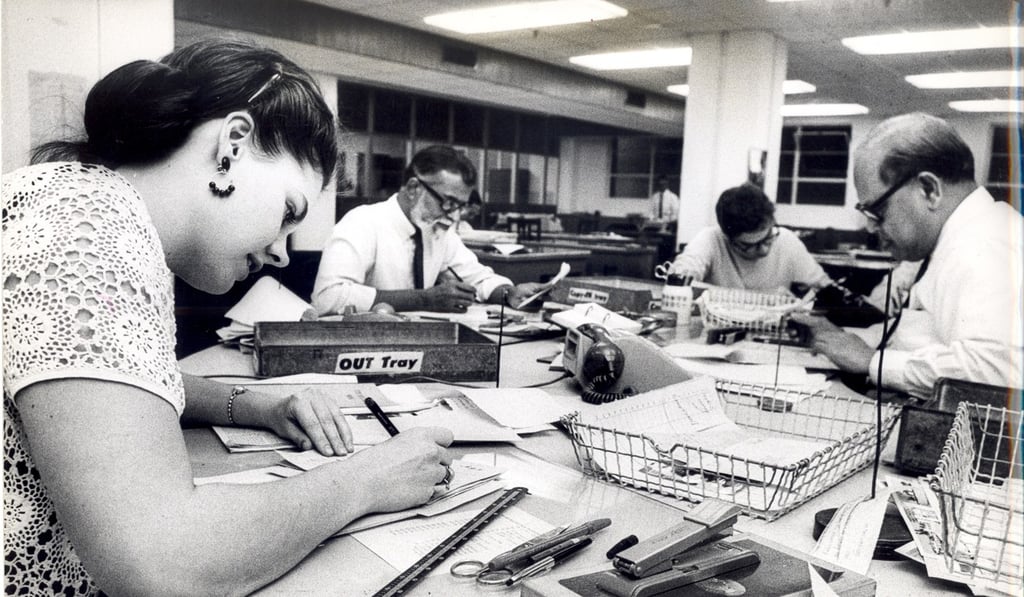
x: 914, y: 177
x: 405, y: 251
x: 664, y: 203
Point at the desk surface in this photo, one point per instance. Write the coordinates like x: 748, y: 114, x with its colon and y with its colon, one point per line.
x: 344, y: 566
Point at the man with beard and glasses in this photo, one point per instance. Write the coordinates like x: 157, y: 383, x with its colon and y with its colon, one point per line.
x: 405, y: 251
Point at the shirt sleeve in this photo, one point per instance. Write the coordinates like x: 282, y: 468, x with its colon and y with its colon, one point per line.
x: 697, y: 257
x: 465, y: 263
x: 102, y: 311
x: 806, y: 270
x: 344, y: 264
x: 977, y: 317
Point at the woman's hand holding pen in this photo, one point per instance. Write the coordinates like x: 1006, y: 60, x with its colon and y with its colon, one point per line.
x: 310, y: 418
x: 402, y: 472
x: 449, y: 296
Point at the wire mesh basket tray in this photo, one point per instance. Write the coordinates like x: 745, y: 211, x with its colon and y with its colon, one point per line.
x: 745, y: 309
x: 837, y: 436
x: 981, y: 495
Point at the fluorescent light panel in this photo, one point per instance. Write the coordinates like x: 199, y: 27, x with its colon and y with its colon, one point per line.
x: 636, y: 59
x: 525, y: 15
x: 994, y: 105
x: 790, y: 87
x: 967, y: 80
x: 936, y: 41
x: 823, y: 110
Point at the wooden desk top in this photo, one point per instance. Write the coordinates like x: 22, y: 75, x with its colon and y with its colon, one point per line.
x: 343, y: 566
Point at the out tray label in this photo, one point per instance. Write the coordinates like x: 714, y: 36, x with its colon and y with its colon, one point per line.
x: 588, y: 295
x: 379, y: 362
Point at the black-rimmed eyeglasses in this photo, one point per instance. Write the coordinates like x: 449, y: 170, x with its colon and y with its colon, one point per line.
x: 448, y: 203
x: 875, y: 211
x: 764, y: 242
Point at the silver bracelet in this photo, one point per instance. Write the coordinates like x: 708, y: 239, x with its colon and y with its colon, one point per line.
x: 235, y: 392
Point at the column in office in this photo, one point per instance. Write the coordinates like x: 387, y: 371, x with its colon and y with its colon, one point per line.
x: 734, y: 105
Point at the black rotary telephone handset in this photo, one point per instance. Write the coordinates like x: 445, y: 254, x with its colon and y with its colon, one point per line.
x: 611, y: 366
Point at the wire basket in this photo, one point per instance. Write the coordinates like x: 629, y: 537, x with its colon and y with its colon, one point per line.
x: 745, y: 309
x: 981, y: 494
x: 841, y: 429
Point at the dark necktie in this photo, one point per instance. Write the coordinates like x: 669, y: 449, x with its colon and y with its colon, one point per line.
x: 661, y: 204
x: 906, y: 302
x: 417, y: 259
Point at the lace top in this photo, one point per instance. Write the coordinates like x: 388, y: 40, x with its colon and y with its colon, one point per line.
x: 86, y: 294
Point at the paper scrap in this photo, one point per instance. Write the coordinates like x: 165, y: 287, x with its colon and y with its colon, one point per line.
x: 522, y: 408
x: 849, y: 539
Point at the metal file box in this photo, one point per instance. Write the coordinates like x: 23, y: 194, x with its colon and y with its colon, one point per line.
x: 614, y: 294
x: 375, y: 351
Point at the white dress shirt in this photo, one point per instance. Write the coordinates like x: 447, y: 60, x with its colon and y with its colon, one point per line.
x: 664, y: 206
x: 964, y: 316
x: 372, y: 248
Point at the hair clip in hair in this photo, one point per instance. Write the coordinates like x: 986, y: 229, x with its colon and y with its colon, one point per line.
x: 270, y: 83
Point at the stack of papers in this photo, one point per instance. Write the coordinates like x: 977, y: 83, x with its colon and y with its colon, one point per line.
x: 267, y: 300
x: 583, y: 313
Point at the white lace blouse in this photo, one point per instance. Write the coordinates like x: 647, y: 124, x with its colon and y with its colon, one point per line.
x: 86, y: 294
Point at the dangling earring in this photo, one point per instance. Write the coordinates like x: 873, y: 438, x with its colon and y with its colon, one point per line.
x: 222, y: 168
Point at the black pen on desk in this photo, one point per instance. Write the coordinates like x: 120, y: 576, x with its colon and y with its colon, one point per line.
x: 378, y: 414
x: 512, y: 557
x: 549, y: 562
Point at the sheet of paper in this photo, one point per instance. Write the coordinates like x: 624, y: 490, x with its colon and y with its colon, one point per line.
x: 268, y: 300
x: 766, y: 375
x: 403, y: 543
x: 849, y: 539
x: 593, y: 313
x: 819, y: 587
x: 522, y: 408
x: 465, y: 419
x: 507, y: 248
x: 428, y: 510
x: 563, y: 271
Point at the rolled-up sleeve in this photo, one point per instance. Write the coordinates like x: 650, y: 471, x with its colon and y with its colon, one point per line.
x: 346, y: 259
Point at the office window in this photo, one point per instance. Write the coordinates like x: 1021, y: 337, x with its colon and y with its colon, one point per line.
x: 1004, y: 170
x: 468, y: 124
x: 502, y: 126
x: 353, y: 106
x: 432, y: 119
x: 392, y: 112
x: 812, y: 165
x: 637, y: 162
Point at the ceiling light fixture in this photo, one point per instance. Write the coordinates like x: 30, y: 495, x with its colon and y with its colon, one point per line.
x: 991, y: 105
x: 790, y: 87
x: 966, y: 80
x: 525, y: 15
x: 636, y: 59
x: 792, y: 110
x: 936, y: 41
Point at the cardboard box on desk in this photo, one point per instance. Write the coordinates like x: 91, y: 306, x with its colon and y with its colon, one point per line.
x: 614, y: 294
x: 375, y: 351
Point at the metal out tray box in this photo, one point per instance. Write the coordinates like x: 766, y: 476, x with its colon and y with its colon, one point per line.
x: 615, y: 294
x: 375, y: 351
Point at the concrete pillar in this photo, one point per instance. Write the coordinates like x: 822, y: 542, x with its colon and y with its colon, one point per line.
x: 734, y: 106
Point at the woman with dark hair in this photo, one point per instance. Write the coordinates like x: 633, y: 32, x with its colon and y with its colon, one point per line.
x: 747, y: 249
x: 198, y: 166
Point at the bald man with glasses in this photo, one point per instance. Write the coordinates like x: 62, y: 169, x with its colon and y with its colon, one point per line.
x: 747, y: 249
x: 914, y: 176
x: 405, y: 251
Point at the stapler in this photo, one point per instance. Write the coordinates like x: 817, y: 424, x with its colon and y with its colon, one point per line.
x: 686, y: 553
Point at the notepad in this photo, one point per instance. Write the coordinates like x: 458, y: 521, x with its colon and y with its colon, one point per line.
x: 593, y: 313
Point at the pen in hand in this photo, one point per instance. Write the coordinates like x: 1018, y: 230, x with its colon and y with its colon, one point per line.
x: 457, y: 276
x: 378, y: 414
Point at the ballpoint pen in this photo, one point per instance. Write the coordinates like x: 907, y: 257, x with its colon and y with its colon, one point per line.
x: 513, y: 557
x: 378, y: 414
x: 547, y: 563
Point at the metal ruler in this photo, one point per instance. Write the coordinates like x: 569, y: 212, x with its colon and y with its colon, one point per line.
x: 415, y: 573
